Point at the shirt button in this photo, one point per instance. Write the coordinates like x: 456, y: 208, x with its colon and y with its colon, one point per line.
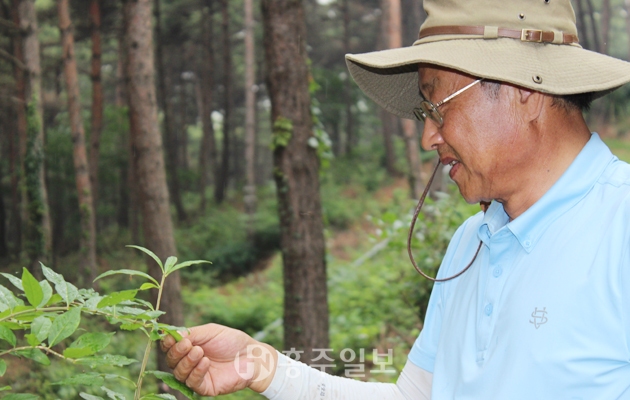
x: 497, y: 272
x: 488, y: 309
x: 527, y: 243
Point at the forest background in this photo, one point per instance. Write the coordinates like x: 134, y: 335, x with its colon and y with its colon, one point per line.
x: 209, y: 170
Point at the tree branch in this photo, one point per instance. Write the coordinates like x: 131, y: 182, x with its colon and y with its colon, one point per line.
x: 9, y: 25
x: 10, y: 57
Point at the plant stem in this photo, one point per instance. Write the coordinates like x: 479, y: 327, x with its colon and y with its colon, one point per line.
x: 147, y: 351
x: 34, y: 310
x: 44, y: 348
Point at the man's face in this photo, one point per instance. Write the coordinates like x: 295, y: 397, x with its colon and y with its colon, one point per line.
x: 481, y: 136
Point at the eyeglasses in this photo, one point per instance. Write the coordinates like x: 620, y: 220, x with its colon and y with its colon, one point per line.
x: 429, y: 110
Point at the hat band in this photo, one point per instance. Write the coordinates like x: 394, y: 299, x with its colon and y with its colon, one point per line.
x: 493, y: 32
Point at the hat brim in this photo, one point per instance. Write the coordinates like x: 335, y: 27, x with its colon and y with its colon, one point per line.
x: 390, y: 77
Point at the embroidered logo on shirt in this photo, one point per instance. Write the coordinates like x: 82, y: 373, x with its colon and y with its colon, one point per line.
x: 539, y: 317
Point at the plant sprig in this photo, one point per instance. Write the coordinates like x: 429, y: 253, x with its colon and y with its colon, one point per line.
x: 50, y: 317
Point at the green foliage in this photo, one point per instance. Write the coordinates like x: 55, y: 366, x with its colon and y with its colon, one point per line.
x: 282, y: 133
x: 33, y: 160
x: 220, y: 235
x: 51, y: 320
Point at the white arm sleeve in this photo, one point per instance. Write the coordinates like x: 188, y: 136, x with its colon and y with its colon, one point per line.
x: 294, y: 380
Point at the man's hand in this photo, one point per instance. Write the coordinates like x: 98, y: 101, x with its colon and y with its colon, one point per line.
x: 213, y: 359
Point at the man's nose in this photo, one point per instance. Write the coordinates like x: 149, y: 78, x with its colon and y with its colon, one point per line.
x: 431, y: 137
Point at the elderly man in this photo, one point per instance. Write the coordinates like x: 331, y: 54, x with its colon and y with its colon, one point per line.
x: 543, y: 311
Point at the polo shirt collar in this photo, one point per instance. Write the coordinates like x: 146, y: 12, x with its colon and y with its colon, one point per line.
x: 572, y: 186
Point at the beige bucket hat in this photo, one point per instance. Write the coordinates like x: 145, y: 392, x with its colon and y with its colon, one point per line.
x: 529, y: 43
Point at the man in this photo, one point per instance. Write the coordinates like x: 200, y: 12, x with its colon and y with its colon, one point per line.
x: 544, y: 310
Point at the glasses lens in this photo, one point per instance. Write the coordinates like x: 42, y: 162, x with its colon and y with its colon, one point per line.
x: 419, y: 114
x: 430, y: 111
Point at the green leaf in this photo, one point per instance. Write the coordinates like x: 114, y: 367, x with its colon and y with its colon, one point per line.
x: 89, y: 396
x: 7, y: 297
x: 131, y: 326
x: 155, y: 335
x: 3, y: 367
x: 41, y: 327
x: 21, y: 396
x: 174, y: 333
x: 47, y: 293
x: 161, y: 396
x: 7, y: 334
x: 88, y: 344
x: 126, y: 272
x: 2, y: 389
x: 14, y: 280
x: 32, y: 340
x: 169, y: 264
x: 113, y: 395
x: 106, y: 359
x: 150, y: 253
x: 35, y: 355
x: 66, y: 290
x: 88, y: 379
x: 173, y: 383
x: 56, y: 298
x: 32, y: 289
x: 188, y: 264
x: 64, y: 326
x: 117, y: 298
x: 148, y: 285
x: 150, y: 314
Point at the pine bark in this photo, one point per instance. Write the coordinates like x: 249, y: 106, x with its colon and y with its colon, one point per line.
x: 347, y: 92
x: 38, y: 242
x: 97, y: 98
x: 389, y: 40
x: 17, y: 142
x: 79, y: 154
x: 297, y: 179
x: 222, y: 179
x: 172, y: 148
x: 596, y: 38
x: 581, y: 25
x: 146, y: 140
x: 250, y: 115
x: 208, y: 164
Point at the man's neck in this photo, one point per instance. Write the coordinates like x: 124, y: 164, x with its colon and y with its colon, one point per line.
x: 559, y: 145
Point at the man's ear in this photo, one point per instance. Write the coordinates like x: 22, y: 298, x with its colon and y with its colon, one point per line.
x: 531, y: 103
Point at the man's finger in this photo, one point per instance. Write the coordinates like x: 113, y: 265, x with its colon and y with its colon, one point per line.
x: 177, y: 352
x: 167, y: 342
x: 188, y: 363
x: 196, y: 378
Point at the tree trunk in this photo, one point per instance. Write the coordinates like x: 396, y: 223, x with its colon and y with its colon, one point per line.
x: 169, y: 133
x: 347, y: 84
x: 605, y: 37
x: 581, y: 25
x: 208, y: 152
x: 250, y: 115
x: 17, y: 140
x: 4, y: 251
x: 79, y: 155
x: 97, y: 98
x: 297, y: 178
x: 222, y: 180
x: 412, y: 150
x: 147, y: 146
x: 38, y: 243
x: 596, y: 37
x: 627, y: 8
x: 390, y: 38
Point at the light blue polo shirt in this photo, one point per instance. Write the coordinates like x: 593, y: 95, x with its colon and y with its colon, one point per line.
x: 544, y: 312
